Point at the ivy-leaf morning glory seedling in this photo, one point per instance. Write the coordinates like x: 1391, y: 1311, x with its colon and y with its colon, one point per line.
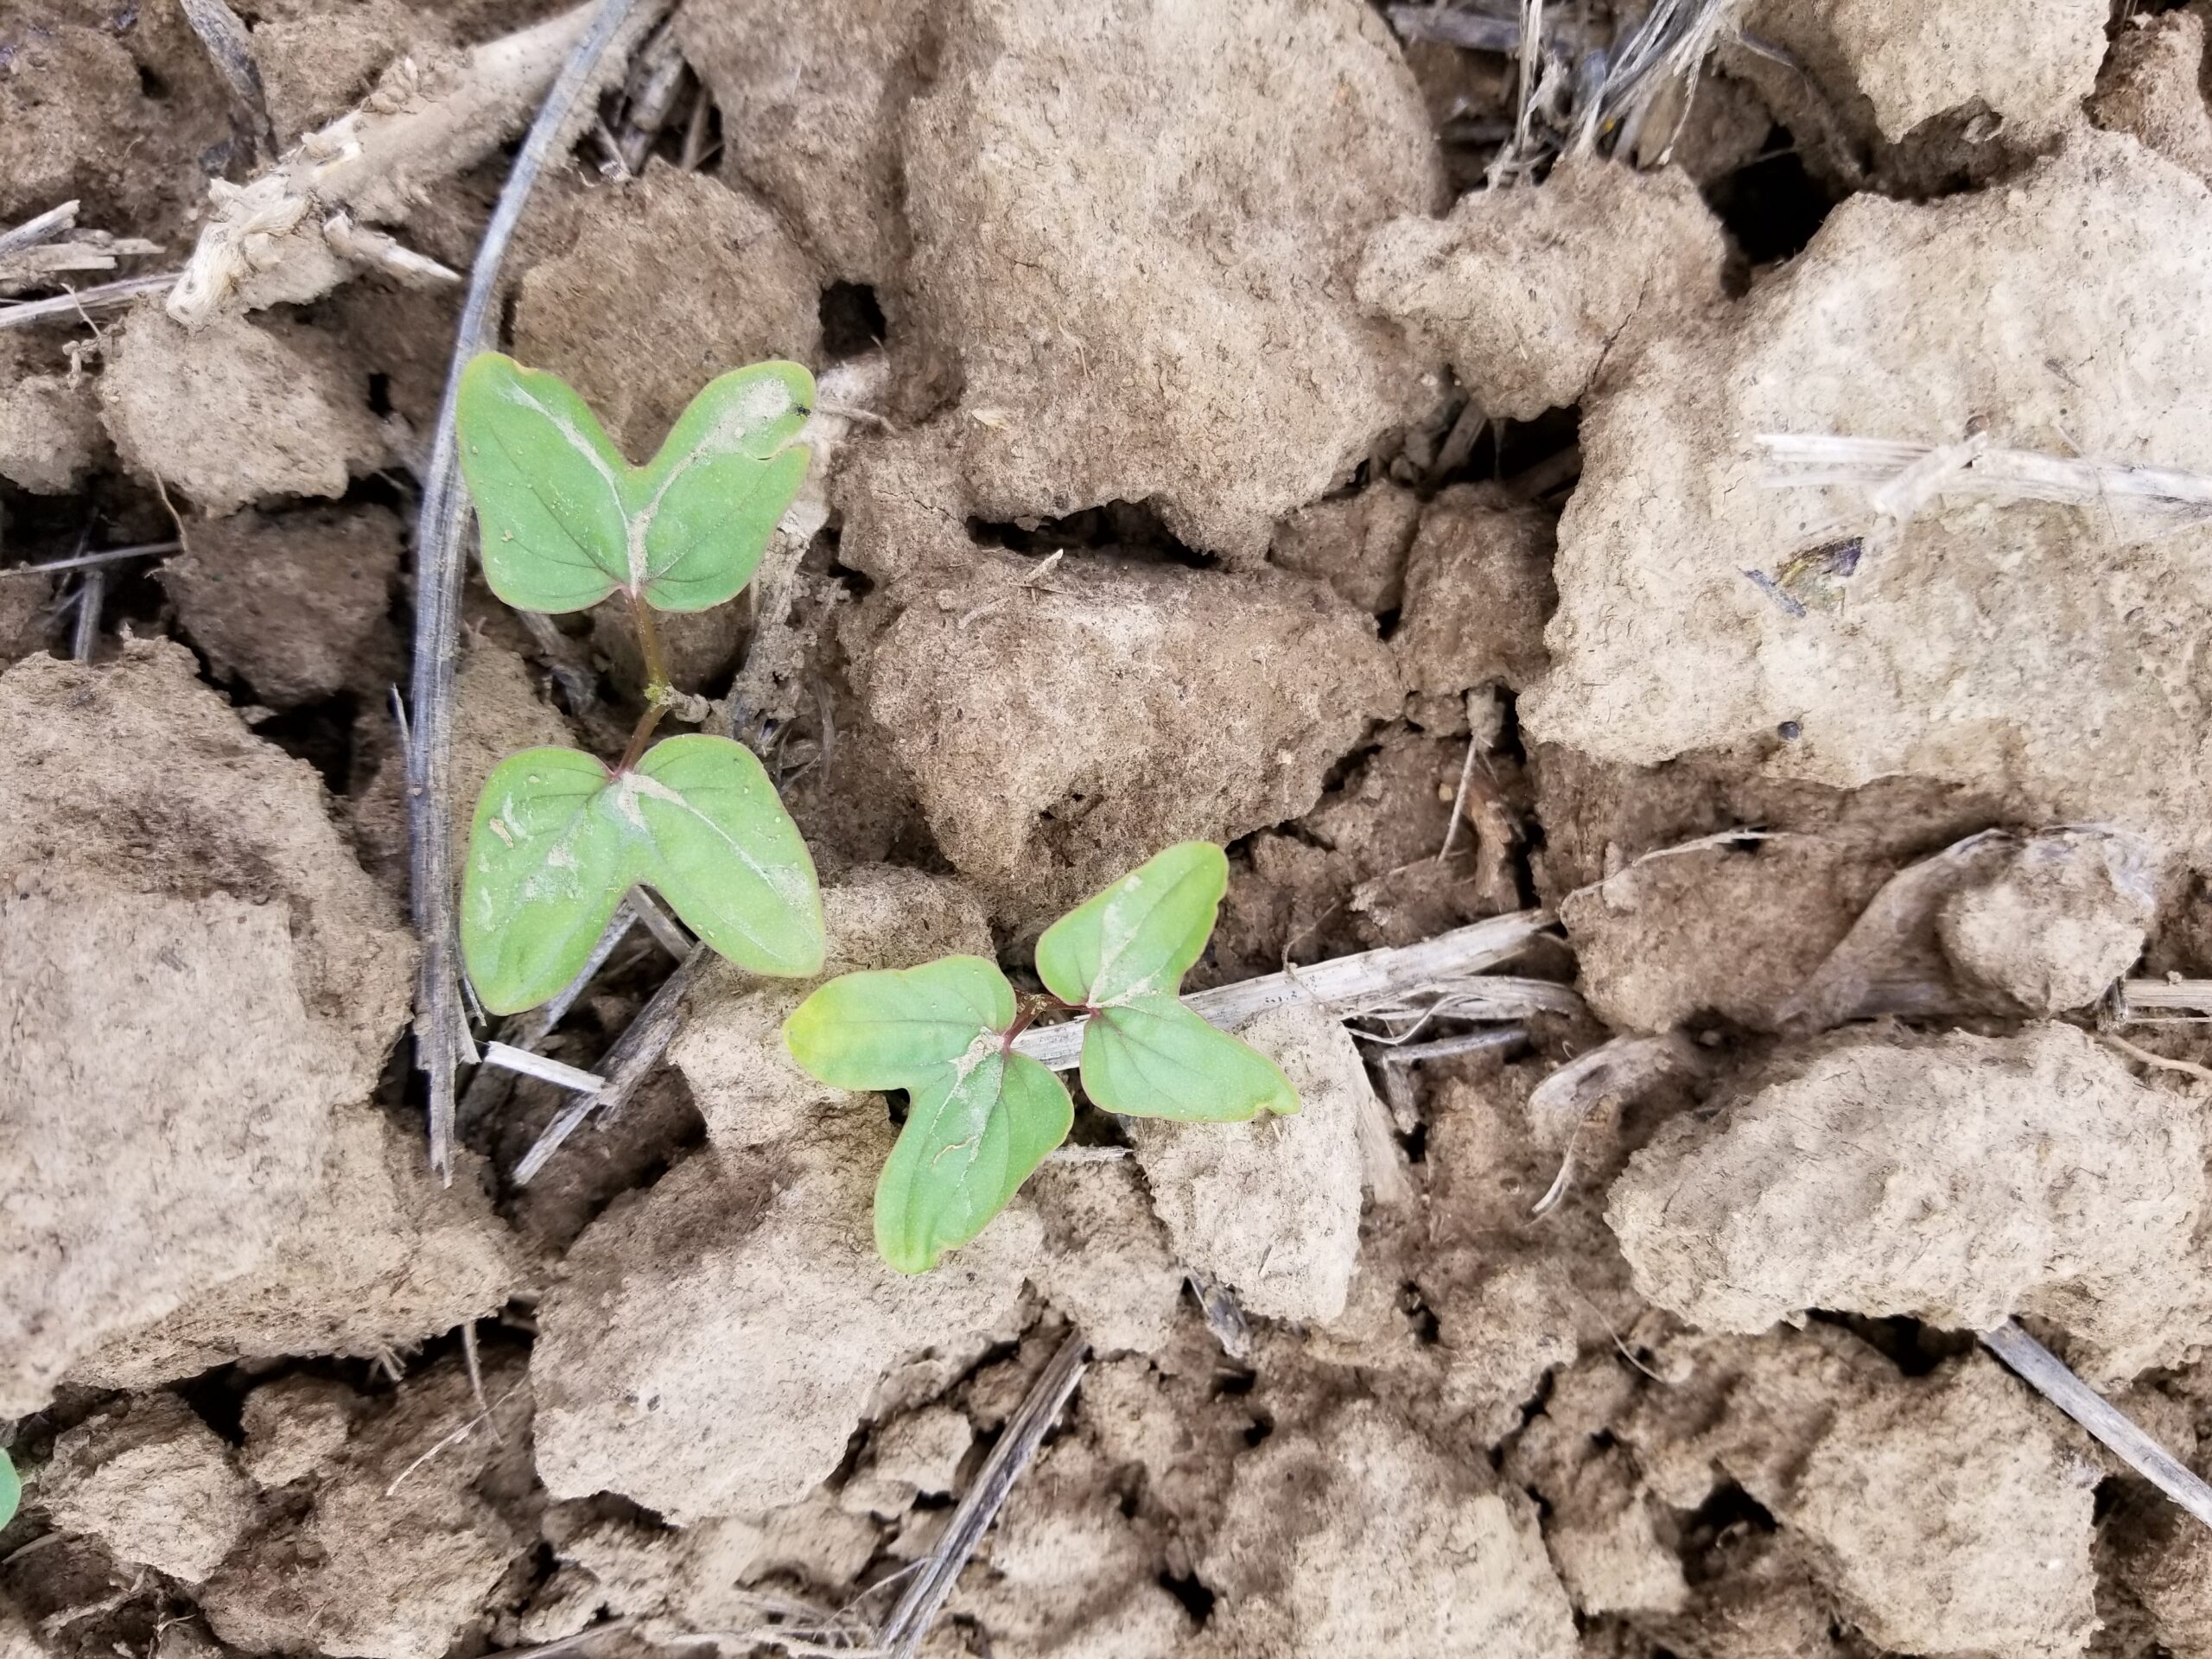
x: 566, y: 522
x: 1121, y: 957
x: 981, y: 1117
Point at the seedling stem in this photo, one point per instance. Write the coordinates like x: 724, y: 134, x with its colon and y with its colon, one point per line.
x: 658, y: 691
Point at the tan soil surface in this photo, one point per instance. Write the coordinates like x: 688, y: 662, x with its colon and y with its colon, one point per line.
x: 1239, y: 444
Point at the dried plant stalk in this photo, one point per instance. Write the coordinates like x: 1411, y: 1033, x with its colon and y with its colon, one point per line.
x: 1901, y: 479
x: 271, y: 240
x: 441, y: 1037
x: 2044, y: 1371
x: 908, y: 1622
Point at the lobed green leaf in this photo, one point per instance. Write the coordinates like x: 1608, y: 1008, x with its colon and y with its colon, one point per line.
x: 979, y: 1118
x: 712, y: 497
x: 896, y: 1028
x: 973, y: 1134
x: 1140, y: 935
x: 557, y: 840
x: 1151, y: 1057
x: 566, y: 520
x: 728, y: 857
x: 547, y: 482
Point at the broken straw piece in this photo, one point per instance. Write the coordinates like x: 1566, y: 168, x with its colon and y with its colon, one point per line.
x: 1565, y: 1104
x: 39, y: 249
x: 2044, y: 1371
x: 266, y: 241
x: 1899, y: 480
x: 1353, y: 984
x: 510, y: 1059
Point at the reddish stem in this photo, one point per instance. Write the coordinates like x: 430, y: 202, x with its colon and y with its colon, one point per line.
x: 656, y: 686
x: 1031, y: 1008
x: 646, y: 721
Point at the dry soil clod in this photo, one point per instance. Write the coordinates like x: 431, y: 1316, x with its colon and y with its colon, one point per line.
x: 407, y: 1527
x: 1986, y: 639
x: 1949, y: 1514
x: 1271, y: 1208
x: 1352, y: 1541
x: 1116, y: 292
x: 2152, y: 86
x: 1128, y: 707
x: 1880, y: 1174
x: 154, y: 1484
x: 237, y: 412
x: 681, y: 1328
x: 1531, y: 292
x: 1905, y: 63
x: 166, y: 1166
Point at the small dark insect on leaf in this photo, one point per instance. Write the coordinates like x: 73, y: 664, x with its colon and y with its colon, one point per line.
x: 1812, y: 580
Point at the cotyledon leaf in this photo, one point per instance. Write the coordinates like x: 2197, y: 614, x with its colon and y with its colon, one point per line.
x: 728, y: 857
x: 544, y: 873
x: 1123, y: 953
x: 566, y: 520
x: 974, y: 1133
x: 547, y: 482
x: 1141, y: 934
x: 896, y: 1028
x: 1151, y: 1057
x: 712, y: 497
x: 979, y: 1118
x: 558, y: 839
x: 11, y: 1489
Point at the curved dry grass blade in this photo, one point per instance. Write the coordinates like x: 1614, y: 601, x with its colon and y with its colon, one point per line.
x: 441, y: 1038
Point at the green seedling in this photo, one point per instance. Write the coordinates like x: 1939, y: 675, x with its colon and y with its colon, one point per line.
x: 11, y: 1489
x: 980, y: 1117
x: 567, y: 522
